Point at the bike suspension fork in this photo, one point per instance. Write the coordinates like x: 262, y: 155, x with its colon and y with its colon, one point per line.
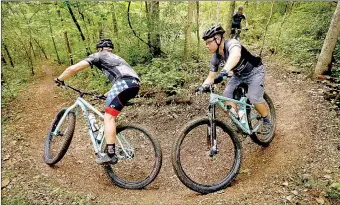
x: 211, y: 135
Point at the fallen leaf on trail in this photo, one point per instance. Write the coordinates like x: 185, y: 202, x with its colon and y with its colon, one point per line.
x: 5, y: 183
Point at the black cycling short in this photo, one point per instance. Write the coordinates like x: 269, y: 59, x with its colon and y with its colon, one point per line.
x: 122, y: 91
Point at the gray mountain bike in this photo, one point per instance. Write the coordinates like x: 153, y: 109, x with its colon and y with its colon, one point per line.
x: 138, y: 152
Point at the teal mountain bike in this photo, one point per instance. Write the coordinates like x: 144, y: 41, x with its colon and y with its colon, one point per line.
x: 206, y: 156
x: 138, y: 152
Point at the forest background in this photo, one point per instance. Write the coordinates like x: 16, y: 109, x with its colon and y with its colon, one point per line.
x: 161, y: 40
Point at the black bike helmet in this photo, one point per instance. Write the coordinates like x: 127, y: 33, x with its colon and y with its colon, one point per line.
x: 212, y: 31
x: 106, y: 42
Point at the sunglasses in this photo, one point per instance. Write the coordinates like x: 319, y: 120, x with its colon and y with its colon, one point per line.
x: 208, y: 42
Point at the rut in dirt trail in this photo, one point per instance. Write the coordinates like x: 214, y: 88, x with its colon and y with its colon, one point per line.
x: 262, y: 172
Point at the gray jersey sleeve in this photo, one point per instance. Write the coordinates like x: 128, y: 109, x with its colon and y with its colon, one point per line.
x: 92, y: 59
x: 214, y: 62
x: 231, y: 43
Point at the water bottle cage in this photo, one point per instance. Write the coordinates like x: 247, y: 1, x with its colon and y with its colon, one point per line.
x: 242, y: 115
x: 100, y: 133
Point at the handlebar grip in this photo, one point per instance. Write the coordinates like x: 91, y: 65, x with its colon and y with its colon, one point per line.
x: 219, y: 79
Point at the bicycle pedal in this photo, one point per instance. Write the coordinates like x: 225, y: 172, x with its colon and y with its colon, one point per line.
x: 213, y: 152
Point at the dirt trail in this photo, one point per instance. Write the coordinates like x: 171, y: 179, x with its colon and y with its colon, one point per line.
x: 78, y: 179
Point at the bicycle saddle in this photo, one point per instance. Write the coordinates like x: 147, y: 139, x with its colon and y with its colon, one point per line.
x: 240, y: 91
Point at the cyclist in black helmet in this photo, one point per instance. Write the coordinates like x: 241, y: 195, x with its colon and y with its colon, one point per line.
x: 125, y: 87
x: 237, y: 18
x: 246, y: 68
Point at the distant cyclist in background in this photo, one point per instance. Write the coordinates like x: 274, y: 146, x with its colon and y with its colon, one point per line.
x: 237, y: 18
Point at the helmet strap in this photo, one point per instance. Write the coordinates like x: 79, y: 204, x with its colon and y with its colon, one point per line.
x: 218, y: 45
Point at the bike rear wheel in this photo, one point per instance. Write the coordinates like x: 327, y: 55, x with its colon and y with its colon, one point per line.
x: 139, y: 162
x: 262, y: 139
x: 191, y: 161
x: 56, y: 145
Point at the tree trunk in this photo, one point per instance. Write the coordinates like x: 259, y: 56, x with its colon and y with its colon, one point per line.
x: 265, y: 30
x: 86, y: 28
x: 101, y: 29
x: 83, y: 18
x: 8, y: 54
x: 29, y: 57
x: 198, y: 27
x: 69, y: 52
x: 31, y: 46
x: 30, y: 32
x: 325, y: 59
x: 3, y: 59
x: 67, y: 43
x: 148, y: 16
x: 115, y: 28
x: 218, y: 11
x: 153, y: 22
x: 54, y: 45
x: 230, y: 18
x: 78, y: 27
x: 41, y: 48
x: 27, y: 52
x: 187, y: 42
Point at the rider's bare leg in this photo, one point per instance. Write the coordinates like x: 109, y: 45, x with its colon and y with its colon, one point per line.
x: 262, y: 109
x: 110, y: 133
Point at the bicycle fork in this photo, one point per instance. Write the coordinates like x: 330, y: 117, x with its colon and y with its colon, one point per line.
x: 211, y: 132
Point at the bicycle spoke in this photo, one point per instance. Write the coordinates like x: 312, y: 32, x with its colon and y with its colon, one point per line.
x: 136, y: 155
x: 197, y: 163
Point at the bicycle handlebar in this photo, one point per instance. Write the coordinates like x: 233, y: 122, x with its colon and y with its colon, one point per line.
x: 211, y: 86
x: 82, y: 93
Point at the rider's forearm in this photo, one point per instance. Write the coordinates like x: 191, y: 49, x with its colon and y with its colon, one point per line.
x: 247, y: 24
x: 210, y: 79
x: 232, y: 61
x: 73, y: 69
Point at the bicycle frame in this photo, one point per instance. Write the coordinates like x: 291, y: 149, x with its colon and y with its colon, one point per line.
x: 80, y: 102
x: 218, y: 100
x: 98, y: 146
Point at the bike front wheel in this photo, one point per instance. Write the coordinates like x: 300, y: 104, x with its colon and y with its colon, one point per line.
x: 56, y: 145
x: 192, y: 163
x: 139, y: 158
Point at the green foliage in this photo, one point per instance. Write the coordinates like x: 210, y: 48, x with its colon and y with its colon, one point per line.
x: 163, y: 75
x: 17, y: 199
x: 334, y: 191
x: 301, y: 37
x: 91, y: 80
x: 336, y: 186
x: 62, y: 196
x: 302, y: 33
x: 13, y: 79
